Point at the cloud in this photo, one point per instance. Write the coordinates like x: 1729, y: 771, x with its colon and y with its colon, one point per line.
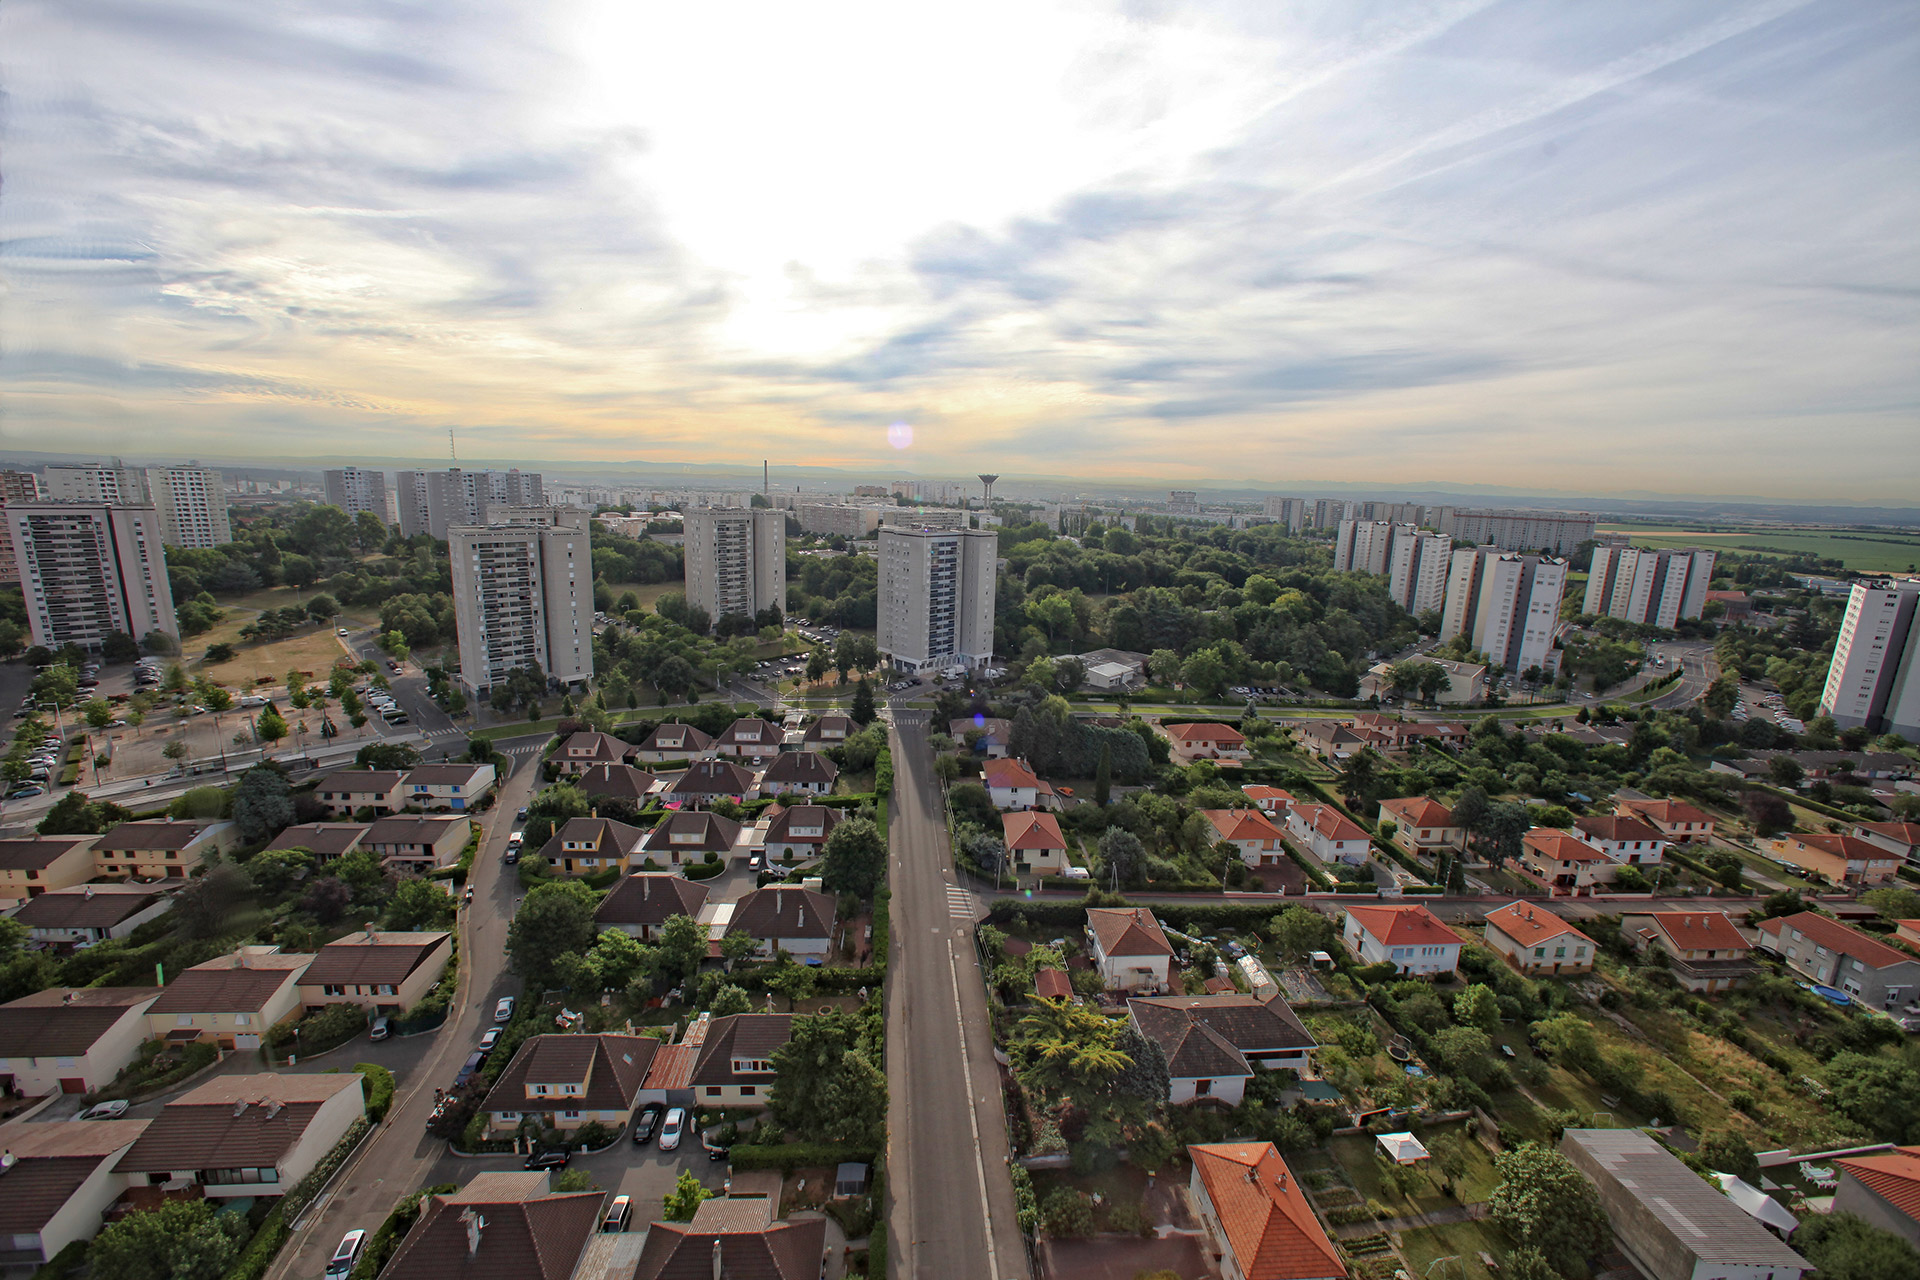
x: 1586, y: 247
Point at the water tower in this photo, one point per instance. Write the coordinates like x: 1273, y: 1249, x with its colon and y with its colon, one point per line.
x: 988, y: 482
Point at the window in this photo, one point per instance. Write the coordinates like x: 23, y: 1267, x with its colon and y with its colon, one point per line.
x: 1201, y: 1088
x: 506, y: 1117
x: 713, y: 1091
x: 748, y: 1090
x: 242, y: 1019
x: 571, y: 1115
x: 1539, y: 953
x: 540, y: 1090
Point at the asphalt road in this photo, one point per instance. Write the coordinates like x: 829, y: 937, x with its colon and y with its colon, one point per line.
x: 953, y: 1209
x: 409, y: 686
x: 1698, y: 670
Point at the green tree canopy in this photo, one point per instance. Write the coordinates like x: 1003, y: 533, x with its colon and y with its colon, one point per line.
x: 1543, y: 1200
x: 826, y: 1085
x: 417, y: 904
x: 855, y: 859
x: 1845, y: 1247
x: 262, y: 803
x: 180, y: 1240
x: 554, y: 920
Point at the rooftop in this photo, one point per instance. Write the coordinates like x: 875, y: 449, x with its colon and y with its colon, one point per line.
x: 500, y: 1226
x: 239, y: 983
x: 1531, y: 925
x: 1263, y: 1213
x: 371, y: 957
x: 1894, y: 1177
x: 91, y: 906
x: 1830, y: 933
x: 650, y: 898
x: 62, y: 1022
x: 37, y: 853
x: 51, y: 1162
x: 1128, y: 931
x: 234, y: 1122
x: 1403, y: 926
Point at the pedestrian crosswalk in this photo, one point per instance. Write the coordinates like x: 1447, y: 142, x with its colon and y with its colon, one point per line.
x: 961, y: 904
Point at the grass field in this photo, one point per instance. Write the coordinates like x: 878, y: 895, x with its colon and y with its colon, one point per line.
x: 1862, y: 550
x: 649, y: 592
x: 314, y: 650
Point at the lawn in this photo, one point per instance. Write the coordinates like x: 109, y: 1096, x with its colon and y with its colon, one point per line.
x: 315, y: 651
x: 1356, y: 1154
x: 649, y: 593
x: 1863, y: 550
x: 1464, y: 1241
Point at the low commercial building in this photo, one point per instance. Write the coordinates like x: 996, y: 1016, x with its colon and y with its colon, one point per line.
x: 232, y: 1001
x: 386, y: 973
x: 785, y: 917
x: 1130, y: 949
x: 1410, y: 937
x: 735, y: 1063
x: 346, y: 793
x: 419, y: 842
x: 589, y: 846
x: 60, y: 1185
x: 90, y: 913
x: 1667, y: 1220
x: 1838, y: 859
x: 1214, y: 1043
x: 1035, y: 846
x: 504, y: 1223
x: 1423, y: 826
x: 1884, y: 1190
x: 1258, y: 1223
x: 798, y: 831
x: 1705, y: 951
x: 458, y: 787
x: 162, y: 849
x: 66, y: 1040
x: 1822, y: 950
x: 566, y: 1081
x: 248, y: 1136
x: 1221, y: 743
x: 642, y: 903
x: 1535, y: 941
x: 33, y: 865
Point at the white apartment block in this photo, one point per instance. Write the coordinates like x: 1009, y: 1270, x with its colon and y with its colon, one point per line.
x: 736, y: 560
x: 824, y: 520
x: 1363, y: 546
x: 1555, y: 531
x: 15, y: 486
x: 1874, y: 678
x: 936, y: 597
x: 523, y: 594
x: 1417, y: 575
x: 90, y: 569
x: 192, y: 504
x: 1653, y: 588
x: 1507, y: 605
x: 1291, y: 512
x: 922, y: 518
x: 356, y: 489
x: 108, y: 484
x: 928, y: 490
x: 433, y: 502
x: 1183, y: 502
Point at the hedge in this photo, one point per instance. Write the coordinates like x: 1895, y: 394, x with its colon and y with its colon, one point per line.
x: 379, y: 1089
x: 788, y: 1156
x: 382, y: 1243
x: 1236, y: 915
x: 308, y: 1187
x: 703, y: 870
x: 64, y: 1263
x: 882, y: 924
x: 260, y: 1252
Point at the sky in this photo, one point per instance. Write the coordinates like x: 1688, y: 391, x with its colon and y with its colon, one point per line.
x: 1649, y: 245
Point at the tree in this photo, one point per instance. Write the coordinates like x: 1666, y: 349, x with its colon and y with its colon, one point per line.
x: 1146, y: 1075
x: 1723, y: 695
x: 1785, y: 771
x: 1725, y: 1151
x: 683, y: 945
x: 262, y: 803
x: 1122, y: 854
x: 855, y: 859
x: 275, y: 871
x: 794, y: 981
x: 862, y: 713
x: 1567, y: 1039
x: 735, y: 947
x: 385, y: 755
x: 1470, y: 808
x: 175, y: 750
x: 729, y: 999
x: 1163, y: 667
x: 75, y: 815
x: 1769, y: 814
x: 1298, y: 931
x: 1205, y: 673
x: 554, y: 920
x: 1893, y: 904
x: 118, y: 646
x: 1103, y: 776
x: 826, y: 1085
x: 618, y: 959
x: 1881, y: 1095
x: 680, y: 1204
x: 271, y: 726
x: 819, y: 662
x: 218, y: 653
x: 180, y: 1240
x: 322, y: 608
x: 1505, y: 828
x: 1545, y: 1201
x: 1465, y: 1051
x: 1844, y: 1247
x: 416, y: 905
x: 1527, y: 1263
x: 1478, y: 1006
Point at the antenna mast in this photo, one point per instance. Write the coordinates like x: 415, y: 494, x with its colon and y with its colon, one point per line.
x: 451, y: 452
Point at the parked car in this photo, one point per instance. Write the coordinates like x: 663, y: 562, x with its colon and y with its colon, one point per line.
x: 105, y: 1110
x: 468, y: 895
x: 343, y: 631
x: 472, y: 1067
x: 503, y: 1009
x: 23, y: 792
x: 382, y: 1028
x: 547, y: 1160
x: 617, y: 1214
x: 351, y: 1246
x: 489, y: 1038
x: 674, y: 1127
x: 521, y: 816
x: 513, y: 854
x: 645, y: 1121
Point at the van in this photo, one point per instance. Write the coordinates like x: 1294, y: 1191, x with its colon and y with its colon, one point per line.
x: 1076, y: 873
x: 352, y: 1245
x: 253, y: 700
x: 617, y: 1214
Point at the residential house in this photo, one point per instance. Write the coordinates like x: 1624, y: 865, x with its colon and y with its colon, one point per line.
x: 1213, y: 1044
x: 642, y: 903
x: 1838, y: 859
x: 785, y: 917
x: 1677, y: 820
x: 1113, y: 675
x: 324, y: 840
x: 989, y: 734
x: 503, y: 1223
x: 689, y: 836
x: 806, y: 773
x: 618, y: 782
x: 1329, y: 740
x: 161, y: 849
x: 829, y: 730
x: 232, y: 1000
x: 1628, y: 841
x: 1012, y: 784
x: 1221, y: 743
x: 1900, y: 838
x: 1822, y: 950
x: 60, y: 1183
x: 1884, y: 1190
x: 1670, y: 1222
x: 383, y: 972
x: 566, y: 1081
x: 1563, y: 863
x: 588, y: 749
x: 64, y: 1040
x: 1907, y: 931
x: 1272, y: 801
x: 90, y: 913
x: 1536, y: 941
x: 459, y: 787
x: 673, y: 742
x: 1410, y: 936
x: 1052, y: 984
x: 1423, y: 826
x: 750, y: 740
x: 706, y: 781
x: 346, y: 793
x: 1256, y: 1217
x: 1251, y: 832
x: 33, y: 865
x: 798, y: 831
x: 1705, y: 952
x: 1034, y: 843
x: 1329, y: 834
x: 735, y: 1064
x: 1130, y: 950
x: 419, y: 842
x: 246, y: 1136
x: 588, y: 846
x: 735, y: 1236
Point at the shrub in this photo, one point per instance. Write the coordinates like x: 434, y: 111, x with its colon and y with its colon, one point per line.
x: 1067, y: 1213
x: 263, y: 1248
x: 788, y: 1156
x: 379, y: 1089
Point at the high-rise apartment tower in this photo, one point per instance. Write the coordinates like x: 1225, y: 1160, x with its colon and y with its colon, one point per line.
x: 936, y: 597
x: 1874, y: 678
x: 523, y: 596
x: 192, y: 504
x: 736, y: 560
x: 356, y: 489
x: 89, y: 569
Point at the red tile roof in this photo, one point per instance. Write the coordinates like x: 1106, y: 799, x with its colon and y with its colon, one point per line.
x: 1219, y: 734
x: 1894, y: 1177
x: 1419, y: 811
x: 1615, y: 826
x: 1128, y: 931
x: 1850, y: 848
x: 1052, y: 984
x: 1905, y: 832
x: 1402, y: 926
x: 1032, y: 831
x: 1330, y: 822
x: 1699, y: 930
x: 1008, y: 772
x: 1531, y: 925
x: 1562, y: 846
x: 1668, y: 811
x: 1834, y: 936
x: 1263, y: 1213
x: 1258, y: 791
x: 1242, y: 824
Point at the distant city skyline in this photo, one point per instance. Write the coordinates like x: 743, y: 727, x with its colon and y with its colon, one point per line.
x: 1654, y: 248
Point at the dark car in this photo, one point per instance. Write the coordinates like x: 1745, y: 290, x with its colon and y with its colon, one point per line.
x: 474, y: 1062
x: 513, y: 855
x: 646, y: 1122
x: 544, y: 1160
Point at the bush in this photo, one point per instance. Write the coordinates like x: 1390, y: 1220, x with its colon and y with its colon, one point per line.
x: 63, y: 1264
x: 1067, y: 1213
x: 592, y: 1136
x: 331, y: 1027
x: 263, y: 1248
x: 788, y: 1156
x: 379, y: 1089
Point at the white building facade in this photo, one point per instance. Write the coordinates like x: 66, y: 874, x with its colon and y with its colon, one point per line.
x: 1653, y: 588
x: 936, y: 598
x: 523, y: 594
x: 109, y: 484
x: 736, y: 560
x: 356, y: 489
x: 1874, y: 678
x: 1507, y: 605
x: 192, y: 504
x: 90, y: 570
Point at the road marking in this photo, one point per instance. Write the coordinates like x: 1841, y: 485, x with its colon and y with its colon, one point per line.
x: 960, y: 903
x: 973, y: 1113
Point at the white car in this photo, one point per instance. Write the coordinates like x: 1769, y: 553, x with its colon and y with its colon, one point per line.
x: 105, y: 1110
x: 504, y: 1009
x: 676, y: 1124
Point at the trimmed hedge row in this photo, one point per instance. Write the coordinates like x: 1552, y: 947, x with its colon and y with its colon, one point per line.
x: 379, y: 1089
x: 260, y: 1252
x: 788, y: 1156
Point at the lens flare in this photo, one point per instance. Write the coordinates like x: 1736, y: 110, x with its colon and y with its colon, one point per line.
x: 900, y: 435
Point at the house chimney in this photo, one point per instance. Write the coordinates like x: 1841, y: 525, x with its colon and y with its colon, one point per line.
x: 239, y: 960
x: 240, y: 1108
x: 67, y: 998
x: 474, y: 1224
x: 273, y: 1108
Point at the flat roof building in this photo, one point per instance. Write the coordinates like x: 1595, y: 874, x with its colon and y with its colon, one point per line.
x: 192, y: 502
x: 736, y: 561
x: 1874, y: 678
x: 356, y: 489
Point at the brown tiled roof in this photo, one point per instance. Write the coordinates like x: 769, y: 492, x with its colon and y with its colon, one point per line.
x: 672, y: 1067
x: 51, y: 1161
x: 93, y: 906
x: 1031, y: 830
x: 717, y: 834
x: 361, y: 781
x: 769, y: 734
x: 616, y: 781
x: 1052, y: 984
x: 1193, y: 1049
x: 1128, y: 931
x: 783, y: 911
x: 1616, y: 826
x: 1211, y: 1035
x: 1668, y: 811
x: 329, y: 839
x: 650, y: 898
x: 1009, y: 772
x: 1224, y: 734
x: 677, y: 737
x: 843, y: 725
x: 740, y: 1035
x: 414, y: 828
x: 801, y: 768
x: 37, y: 853
x: 806, y: 815
x: 1263, y: 1212
x: 220, y: 986
x: 62, y: 1022
x: 1696, y: 930
x: 161, y: 835
x: 611, y: 1067
x: 441, y: 775
x: 530, y: 1232
x: 1241, y: 824
x: 736, y: 1238
x: 589, y: 745
x: 234, y: 1122
x: 610, y: 839
x: 389, y: 957
x: 1561, y: 846
x: 1530, y: 925
x: 713, y: 778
